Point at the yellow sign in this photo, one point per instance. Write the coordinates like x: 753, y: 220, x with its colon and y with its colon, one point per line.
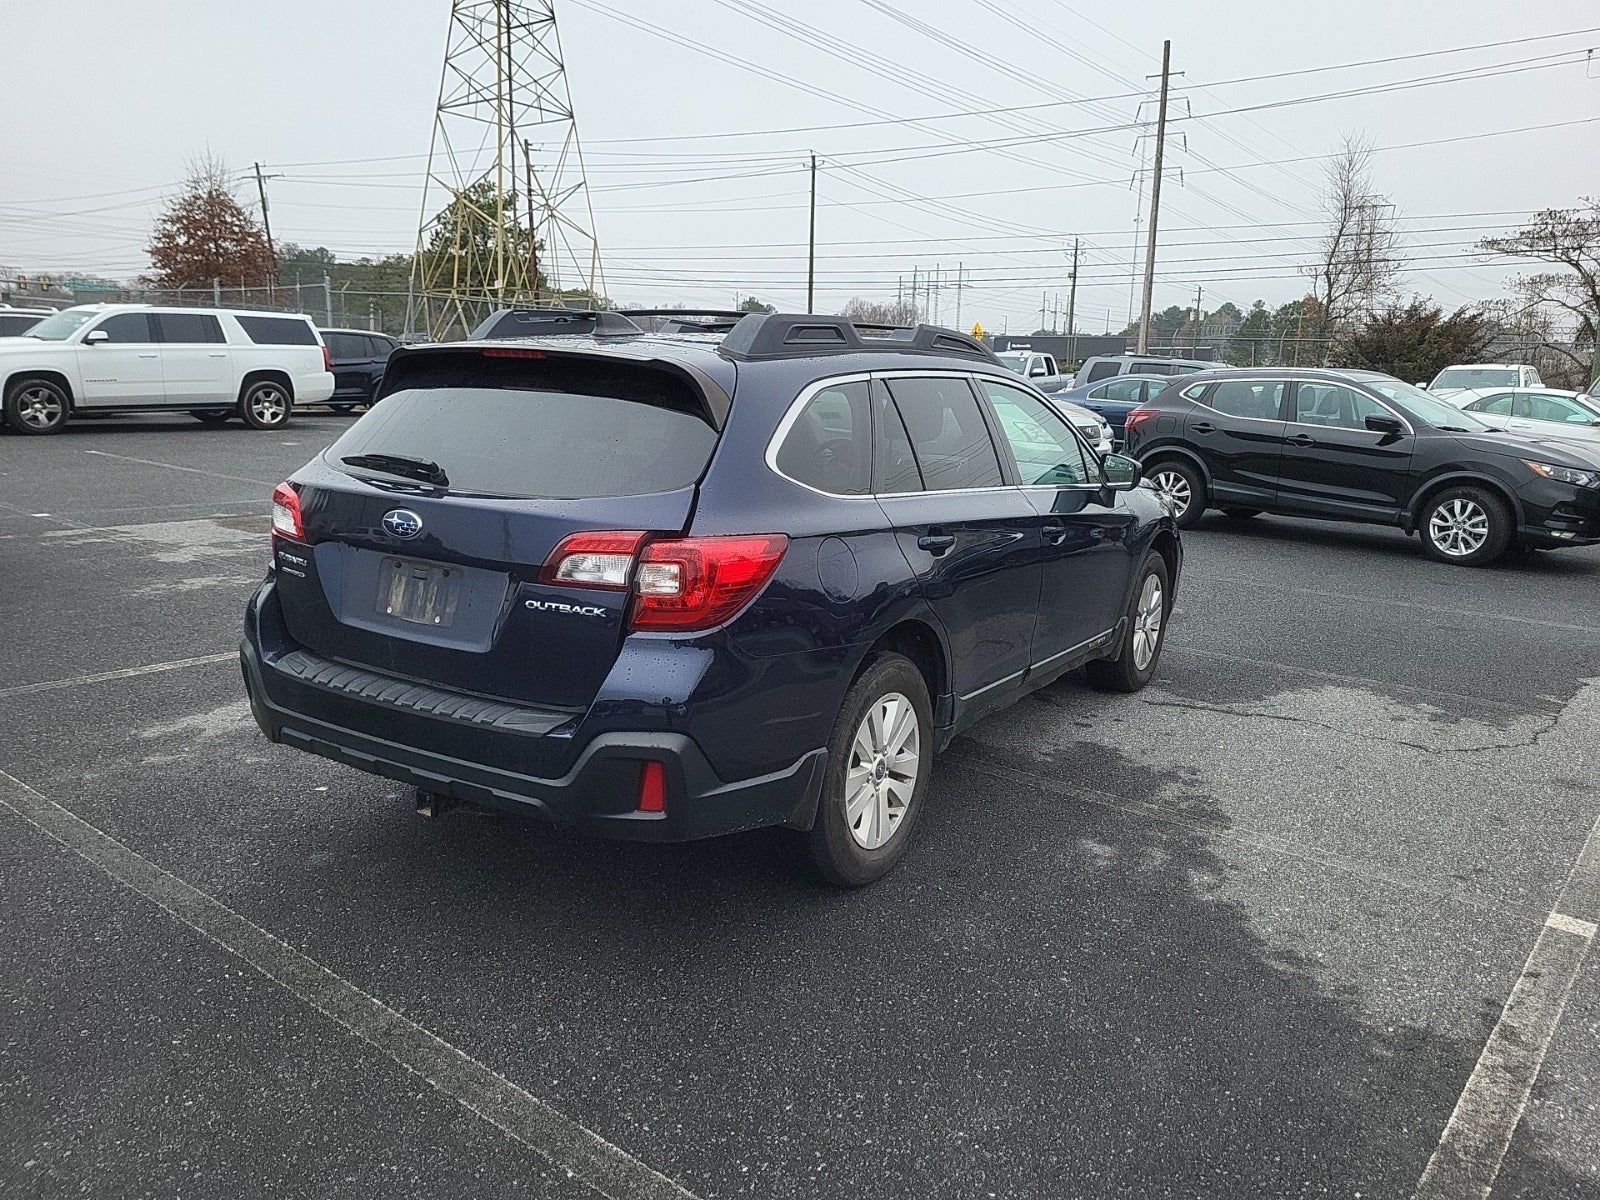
x: 977, y: 330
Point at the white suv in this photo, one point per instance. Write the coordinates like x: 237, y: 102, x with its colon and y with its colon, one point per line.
x: 209, y: 362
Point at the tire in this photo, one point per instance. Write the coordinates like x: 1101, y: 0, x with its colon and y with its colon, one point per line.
x: 1241, y: 514
x: 1465, y: 526
x: 343, y: 408
x: 1184, y: 489
x: 853, y: 852
x: 36, y: 406
x: 1146, y: 615
x: 265, y: 404
x: 213, y: 416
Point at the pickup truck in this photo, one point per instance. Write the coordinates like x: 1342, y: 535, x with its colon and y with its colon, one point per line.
x: 1038, y: 369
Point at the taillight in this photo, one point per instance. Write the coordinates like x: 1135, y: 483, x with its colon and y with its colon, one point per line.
x: 652, y: 788
x: 327, y: 359
x: 286, y: 513
x: 596, y: 560
x: 680, y: 585
x: 687, y: 584
x: 511, y: 352
x: 1137, y: 419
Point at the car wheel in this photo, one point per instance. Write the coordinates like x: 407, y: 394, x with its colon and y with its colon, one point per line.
x: 879, y: 758
x: 213, y: 416
x: 1146, y: 618
x: 36, y: 406
x: 1241, y: 514
x: 1183, y: 488
x: 1467, y: 526
x: 265, y: 405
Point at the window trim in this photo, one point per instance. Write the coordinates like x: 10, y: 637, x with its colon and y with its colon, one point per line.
x: 1091, y: 457
x: 1371, y: 394
x: 1288, y: 385
x: 798, y: 406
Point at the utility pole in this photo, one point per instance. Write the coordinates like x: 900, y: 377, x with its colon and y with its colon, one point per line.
x: 1072, y: 308
x: 961, y: 272
x: 916, y: 313
x: 266, y: 221
x: 533, y: 235
x: 1155, y: 204
x: 1197, y: 294
x: 1044, y: 308
x: 811, y: 253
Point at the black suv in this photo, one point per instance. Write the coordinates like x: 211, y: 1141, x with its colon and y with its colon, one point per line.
x: 1360, y: 446
x: 664, y: 586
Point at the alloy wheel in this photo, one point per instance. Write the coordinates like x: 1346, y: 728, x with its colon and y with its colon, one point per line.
x: 1174, y: 489
x: 268, y: 405
x: 1459, y: 527
x: 882, y: 775
x: 39, y: 408
x: 1147, y: 620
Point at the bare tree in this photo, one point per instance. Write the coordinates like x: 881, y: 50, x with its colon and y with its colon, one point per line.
x: 879, y: 312
x: 1567, y: 238
x: 1358, y: 257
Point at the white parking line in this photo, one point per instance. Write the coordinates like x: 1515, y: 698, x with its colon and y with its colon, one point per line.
x: 176, y: 664
x: 1469, y: 1155
x: 150, y: 462
x: 563, y: 1142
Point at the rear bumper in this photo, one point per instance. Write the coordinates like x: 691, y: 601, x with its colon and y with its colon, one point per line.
x: 313, y: 388
x: 598, y: 793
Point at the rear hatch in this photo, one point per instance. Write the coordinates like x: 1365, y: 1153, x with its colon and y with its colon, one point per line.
x: 431, y: 572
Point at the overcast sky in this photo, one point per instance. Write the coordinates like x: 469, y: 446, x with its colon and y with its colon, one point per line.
x: 109, y: 100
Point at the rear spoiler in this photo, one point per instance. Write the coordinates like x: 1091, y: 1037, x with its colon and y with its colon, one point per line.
x: 501, y: 363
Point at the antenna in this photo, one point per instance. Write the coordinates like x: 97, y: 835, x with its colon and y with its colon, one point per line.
x: 506, y: 213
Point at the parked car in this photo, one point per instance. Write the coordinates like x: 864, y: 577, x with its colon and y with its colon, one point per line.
x: 1094, y: 428
x: 359, y: 357
x: 211, y: 363
x: 14, y: 322
x: 1543, y: 412
x: 1359, y: 446
x: 1038, y: 369
x: 664, y: 587
x: 1483, y: 375
x: 1113, y: 399
x: 1108, y: 366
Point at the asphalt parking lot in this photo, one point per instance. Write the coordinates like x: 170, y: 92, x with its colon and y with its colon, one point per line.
x: 1252, y: 932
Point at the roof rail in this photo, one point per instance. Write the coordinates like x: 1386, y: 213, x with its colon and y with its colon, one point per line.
x: 689, y: 320
x: 802, y: 335
x: 554, y: 322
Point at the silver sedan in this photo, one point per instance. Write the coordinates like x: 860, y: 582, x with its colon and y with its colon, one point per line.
x: 1546, y: 412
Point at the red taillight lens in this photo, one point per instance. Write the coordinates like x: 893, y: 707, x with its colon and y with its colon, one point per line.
x: 1138, y: 419
x: 327, y: 359
x: 508, y: 352
x: 596, y: 560
x: 652, y: 788
x: 286, y: 518
x: 688, y: 584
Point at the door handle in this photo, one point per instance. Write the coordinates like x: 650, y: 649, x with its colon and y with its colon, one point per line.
x: 1055, y: 533
x: 1301, y: 439
x: 936, y: 543
x: 216, y: 354
x: 1203, y: 427
x: 149, y: 354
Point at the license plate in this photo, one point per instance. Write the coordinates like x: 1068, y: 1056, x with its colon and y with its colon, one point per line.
x: 422, y: 593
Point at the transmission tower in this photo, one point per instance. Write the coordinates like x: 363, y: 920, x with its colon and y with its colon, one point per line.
x: 506, y: 213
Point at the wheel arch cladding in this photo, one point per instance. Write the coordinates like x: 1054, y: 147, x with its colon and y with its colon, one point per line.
x: 1181, y: 454
x: 1432, y: 488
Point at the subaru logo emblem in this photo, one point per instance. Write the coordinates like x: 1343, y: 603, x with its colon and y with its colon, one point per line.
x: 402, y: 522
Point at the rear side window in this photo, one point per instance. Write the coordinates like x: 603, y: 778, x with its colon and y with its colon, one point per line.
x: 1103, y: 370
x: 278, y: 331
x: 1126, y: 390
x: 1499, y: 405
x: 625, y: 433
x: 829, y: 446
x: 1256, y: 399
x: 188, y: 327
x: 948, y: 434
x: 1152, y: 368
x: 12, y: 324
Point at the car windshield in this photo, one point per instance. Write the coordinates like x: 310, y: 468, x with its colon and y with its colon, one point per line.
x: 1016, y: 362
x: 61, y: 326
x: 1429, y: 409
x: 1476, y: 377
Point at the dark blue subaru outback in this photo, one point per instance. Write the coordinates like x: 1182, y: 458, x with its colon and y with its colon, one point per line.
x: 666, y: 586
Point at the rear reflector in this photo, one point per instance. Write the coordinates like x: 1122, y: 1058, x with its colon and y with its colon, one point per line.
x: 652, y: 788
x: 508, y: 352
x: 286, y: 512
x: 596, y: 560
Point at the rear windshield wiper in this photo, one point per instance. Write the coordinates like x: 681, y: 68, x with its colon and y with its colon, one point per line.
x: 402, y: 465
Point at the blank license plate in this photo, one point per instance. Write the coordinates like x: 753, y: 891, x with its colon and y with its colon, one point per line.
x: 422, y: 593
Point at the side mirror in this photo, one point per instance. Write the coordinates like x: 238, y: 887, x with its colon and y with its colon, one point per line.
x: 1384, y: 423
x: 1119, y: 473
x: 95, y: 336
x: 1423, y: 384
x: 1035, y: 371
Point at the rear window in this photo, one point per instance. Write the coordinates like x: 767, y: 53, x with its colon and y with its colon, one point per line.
x: 1477, y: 377
x: 278, y: 331
x: 1102, y: 370
x: 646, y: 436
x: 12, y: 324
